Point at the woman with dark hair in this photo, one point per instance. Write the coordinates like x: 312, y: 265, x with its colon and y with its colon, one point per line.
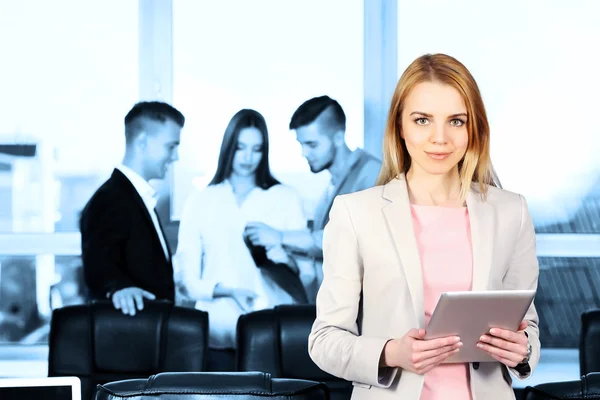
x: 214, y: 266
x: 253, y: 126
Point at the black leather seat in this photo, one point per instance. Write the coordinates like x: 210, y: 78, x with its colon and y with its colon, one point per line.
x: 589, y: 342
x: 212, y: 385
x: 276, y: 341
x: 588, y: 387
x: 99, y: 344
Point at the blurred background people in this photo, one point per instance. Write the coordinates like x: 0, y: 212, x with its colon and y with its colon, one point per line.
x: 125, y: 255
x: 214, y: 264
x: 320, y: 125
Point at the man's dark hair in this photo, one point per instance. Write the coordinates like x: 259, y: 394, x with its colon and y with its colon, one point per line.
x: 152, y: 110
x: 310, y: 110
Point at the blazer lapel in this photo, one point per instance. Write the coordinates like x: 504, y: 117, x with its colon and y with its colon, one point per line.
x: 126, y: 184
x: 399, y: 221
x: 164, y: 235
x: 481, y: 219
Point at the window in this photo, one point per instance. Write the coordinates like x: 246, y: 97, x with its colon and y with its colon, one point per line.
x: 271, y: 56
x: 69, y: 76
x: 64, y: 94
x: 32, y: 286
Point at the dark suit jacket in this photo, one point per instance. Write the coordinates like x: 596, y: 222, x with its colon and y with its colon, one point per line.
x: 120, y: 246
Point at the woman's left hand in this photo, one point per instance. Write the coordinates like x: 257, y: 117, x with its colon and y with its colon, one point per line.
x: 278, y: 255
x: 508, y: 347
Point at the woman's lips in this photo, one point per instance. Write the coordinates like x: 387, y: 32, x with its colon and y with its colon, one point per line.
x: 438, y: 155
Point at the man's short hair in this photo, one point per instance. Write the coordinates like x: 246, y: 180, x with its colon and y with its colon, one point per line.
x: 311, y: 109
x: 150, y: 110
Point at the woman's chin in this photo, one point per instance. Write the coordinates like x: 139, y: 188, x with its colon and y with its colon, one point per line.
x: 439, y: 169
x: 244, y: 172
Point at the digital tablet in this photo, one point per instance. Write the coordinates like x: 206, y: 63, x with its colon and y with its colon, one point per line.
x: 471, y: 314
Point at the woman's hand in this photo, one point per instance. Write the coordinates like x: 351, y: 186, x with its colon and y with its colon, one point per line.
x: 278, y: 255
x: 243, y: 297
x: 413, y: 353
x: 508, y: 347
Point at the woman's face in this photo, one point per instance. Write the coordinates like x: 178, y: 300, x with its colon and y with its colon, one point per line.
x: 248, y: 152
x: 434, y: 127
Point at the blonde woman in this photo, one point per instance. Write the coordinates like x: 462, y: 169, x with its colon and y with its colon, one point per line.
x: 437, y: 222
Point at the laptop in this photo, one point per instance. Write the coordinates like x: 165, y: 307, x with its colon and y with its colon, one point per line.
x: 55, y: 388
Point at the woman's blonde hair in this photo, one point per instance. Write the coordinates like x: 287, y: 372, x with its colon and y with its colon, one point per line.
x: 476, y: 165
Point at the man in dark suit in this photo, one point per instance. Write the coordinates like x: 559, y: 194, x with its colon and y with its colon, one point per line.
x: 125, y: 254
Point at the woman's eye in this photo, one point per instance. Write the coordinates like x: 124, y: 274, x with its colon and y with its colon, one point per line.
x: 422, y: 121
x: 457, y: 122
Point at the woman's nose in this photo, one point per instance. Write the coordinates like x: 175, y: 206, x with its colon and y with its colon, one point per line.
x: 439, y: 134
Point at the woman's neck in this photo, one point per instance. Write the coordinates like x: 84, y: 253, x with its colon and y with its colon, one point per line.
x: 242, y: 182
x: 242, y: 186
x: 434, y: 190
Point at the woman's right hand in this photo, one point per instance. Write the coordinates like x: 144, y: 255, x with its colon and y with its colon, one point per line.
x: 278, y: 255
x: 243, y: 297
x: 413, y: 353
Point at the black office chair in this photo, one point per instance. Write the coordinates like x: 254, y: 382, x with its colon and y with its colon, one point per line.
x: 589, y: 342
x: 99, y: 344
x: 588, y: 387
x: 276, y: 341
x: 213, y: 385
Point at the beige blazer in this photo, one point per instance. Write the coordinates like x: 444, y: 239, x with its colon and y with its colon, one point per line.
x: 373, y: 290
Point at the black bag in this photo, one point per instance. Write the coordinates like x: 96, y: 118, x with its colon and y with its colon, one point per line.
x: 281, y: 274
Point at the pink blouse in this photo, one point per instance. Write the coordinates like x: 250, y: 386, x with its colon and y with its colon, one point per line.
x: 444, y: 240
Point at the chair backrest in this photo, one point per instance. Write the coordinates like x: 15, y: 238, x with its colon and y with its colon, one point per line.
x: 589, y: 342
x: 213, y: 385
x: 276, y: 341
x: 588, y: 387
x: 100, y: 344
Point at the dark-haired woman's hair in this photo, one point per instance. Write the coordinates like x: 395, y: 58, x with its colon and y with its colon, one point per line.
x: 245, y: 118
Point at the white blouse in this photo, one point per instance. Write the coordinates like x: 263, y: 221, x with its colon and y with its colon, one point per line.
x: 211, y: 250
